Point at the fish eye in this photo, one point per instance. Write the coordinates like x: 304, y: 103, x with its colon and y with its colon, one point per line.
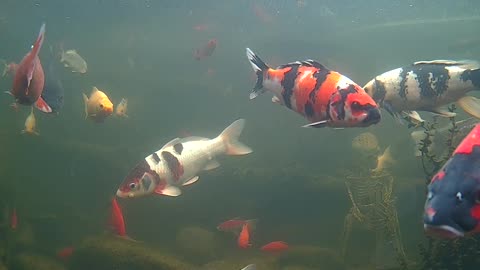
x: 101, y: 106
x: 132, y: 185
x: 429, y: 195
x: 459, y: 196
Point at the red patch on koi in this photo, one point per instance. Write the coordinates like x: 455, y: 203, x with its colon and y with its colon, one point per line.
x: 472, y: 139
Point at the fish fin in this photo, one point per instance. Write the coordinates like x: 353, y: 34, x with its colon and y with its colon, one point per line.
x: 8, y: 92
x: 250, y: 267
x: 466, y: 64
x: 42, y: 105
x: 171, y: 143
x: 442, y: 112
x: 260, y: 68
x: 191, y: 181
x: 212, y: 164
x: 319, y: 124
x: 85, y: 100
x: 169, y: 191
x: 471, y: 105
x: 94, y: 89
x: 38, y: 43
x: 230, y: 135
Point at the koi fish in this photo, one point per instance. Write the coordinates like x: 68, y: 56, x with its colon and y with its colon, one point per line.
x: 29, y: 78
x: 206, y: 50
x: 323, y: 96
x: 179, y: 161
x: 244, y: 237
x: 276, y: 246
x: 426, y: 86
x: 452, y: 208
x: 98, y: 106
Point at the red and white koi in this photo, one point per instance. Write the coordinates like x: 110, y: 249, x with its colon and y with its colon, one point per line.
x: 323, y: 96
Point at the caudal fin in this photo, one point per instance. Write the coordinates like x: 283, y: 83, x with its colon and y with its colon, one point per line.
x: 230, y: 137
x: 260, y: 68
x: 38, y: 43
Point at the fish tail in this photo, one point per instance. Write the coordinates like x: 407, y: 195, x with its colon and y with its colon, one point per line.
x: 85, y: 100
x: 230, y: 137
x: 260, y: 68
x: 471, y: 105
x: 39, y: 41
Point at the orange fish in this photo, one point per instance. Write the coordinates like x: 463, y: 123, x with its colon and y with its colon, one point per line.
x: 323, y: 96
x: 276, y: 246
x: 116, y: 219
x: 14, y: 219
x: 206, y: 50
x: 65, y: 253
x: 98, y: 106
x: 244, y: 237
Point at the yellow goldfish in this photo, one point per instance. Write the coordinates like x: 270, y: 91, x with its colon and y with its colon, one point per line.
x: 121, y: 110
x: 30, y: 124
x: 98, y: 106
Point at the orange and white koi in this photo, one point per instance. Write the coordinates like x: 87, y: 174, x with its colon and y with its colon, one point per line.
x: 323, y: 96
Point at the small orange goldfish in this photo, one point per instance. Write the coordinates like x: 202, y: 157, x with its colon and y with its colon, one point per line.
x: 121, y: 110
x: 244, y: 237
x: 30, y: 124
x: 98, y: 106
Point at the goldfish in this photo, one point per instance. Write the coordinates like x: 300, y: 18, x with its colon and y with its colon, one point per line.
x: 65, y: 253
x: 30, y: 124
x: 384, y: 161
x: 121, y: 110
x: 276, y: 246
x: 234, y: 225
x: 116, y: 219
x: 244, y: 237
x: 323, y: 96
x: 205, y: 51
x: 178, y: 163
x: 427, y: 86
x: 452, y: 206
x: 72, y: 60
x: 29, y: 78
x: 98, y: 106
x: 14, y: 219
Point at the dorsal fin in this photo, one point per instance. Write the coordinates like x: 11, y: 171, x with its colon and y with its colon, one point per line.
x: 308, y: 63
x: 467, y: 64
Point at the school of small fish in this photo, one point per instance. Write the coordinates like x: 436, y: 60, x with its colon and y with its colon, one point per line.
x: 323, y: 97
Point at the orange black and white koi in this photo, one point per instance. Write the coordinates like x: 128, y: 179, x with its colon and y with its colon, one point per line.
x: 323, y: 96
x: 179, y: 161
x: 452, y: 208
x: 426, y: 86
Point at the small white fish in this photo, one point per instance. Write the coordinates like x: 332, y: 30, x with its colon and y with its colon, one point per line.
x: 121, y: 109
x: 179, y: 161
x: 71, y: 59
x: 30, y: 124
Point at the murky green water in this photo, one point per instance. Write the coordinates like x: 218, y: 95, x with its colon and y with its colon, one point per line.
x: 61, y: 182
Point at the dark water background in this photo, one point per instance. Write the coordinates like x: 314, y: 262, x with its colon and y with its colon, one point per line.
x: 73, y: 169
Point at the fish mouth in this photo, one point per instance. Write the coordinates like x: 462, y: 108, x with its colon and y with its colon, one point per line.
x: 373, y: 116
x: 122, y: 194
x: 442, y: 231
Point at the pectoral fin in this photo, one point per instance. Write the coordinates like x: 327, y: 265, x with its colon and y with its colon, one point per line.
x: 470, y: 105
x: 319, y: 124
x: 85, y: 100
x: 168, y: 191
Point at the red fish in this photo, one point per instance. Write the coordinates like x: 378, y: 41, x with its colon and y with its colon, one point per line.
x: 244, y: 237
x: 206, y: 50
x: 234, y: 225
x: 116, y: 219
x: 14, y: 219
x: 276, y: 246
x: 323, y: 96
x: 452, y: 207
x: 65, y: 253
x: 29, y: 78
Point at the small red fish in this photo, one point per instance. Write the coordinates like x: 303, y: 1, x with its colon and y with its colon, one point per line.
x: 276, y: 246
x: 244, y: 237
x: 116, y: 219
x: 14, y: 219
x: 234, y: 225
x: 29, y: 78
x: 65, y: 253
x: 206, y: 50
